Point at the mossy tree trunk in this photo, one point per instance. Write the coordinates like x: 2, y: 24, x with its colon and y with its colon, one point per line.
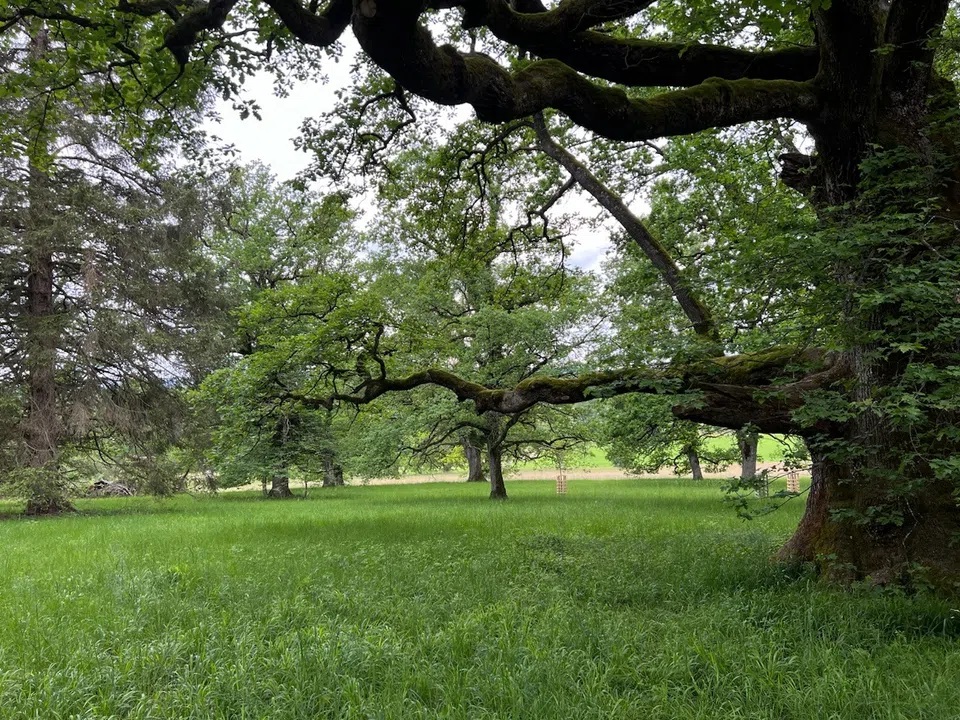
x: 880, y: 508
x: 856, y: 530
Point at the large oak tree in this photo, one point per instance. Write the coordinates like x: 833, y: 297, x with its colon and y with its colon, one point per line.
x: 876, y: 406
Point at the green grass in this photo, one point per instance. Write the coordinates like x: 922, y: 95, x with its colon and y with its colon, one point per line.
x: 626, y: 599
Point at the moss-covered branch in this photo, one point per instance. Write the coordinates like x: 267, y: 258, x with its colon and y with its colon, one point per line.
x: 763, y: 389
x: 563, y: 34
x: 393, y: 37
x: 723, y: 86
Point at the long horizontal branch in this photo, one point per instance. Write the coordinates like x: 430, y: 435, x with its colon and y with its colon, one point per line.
x: 569, y: 16
x: 725, y: 86
x: 391, y: 35
x: 763, y: 389
x: 562, y: 33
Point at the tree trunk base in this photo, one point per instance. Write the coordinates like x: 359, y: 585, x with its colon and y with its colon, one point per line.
x: 280, y: 489
x: 918, y: 553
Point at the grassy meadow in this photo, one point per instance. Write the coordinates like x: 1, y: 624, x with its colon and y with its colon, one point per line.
x: 623, y: 599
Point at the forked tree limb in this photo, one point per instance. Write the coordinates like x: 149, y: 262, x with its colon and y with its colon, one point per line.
x: 391, y: 34
x: 322, y: 28
x: 563, y: 34
x: 725, y: 86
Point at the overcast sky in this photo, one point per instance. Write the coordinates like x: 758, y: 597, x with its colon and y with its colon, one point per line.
x: 270, y: 140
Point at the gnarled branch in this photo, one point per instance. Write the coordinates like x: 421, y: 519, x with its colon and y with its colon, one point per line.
x: 320, y: 29
x: 763, y: 388
x: 391, y: 35
x: 562, y: 33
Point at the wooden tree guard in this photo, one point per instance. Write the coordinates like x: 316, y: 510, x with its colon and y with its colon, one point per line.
x: 793, y: 482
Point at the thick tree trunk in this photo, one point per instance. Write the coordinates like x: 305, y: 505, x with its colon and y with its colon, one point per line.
x: 474, y: 461
x: 694, y: 459
x: 498, y: 490
x: 876, y: 510
x: 280, y: 486
x: 855, y: 529
x: 44, y: 487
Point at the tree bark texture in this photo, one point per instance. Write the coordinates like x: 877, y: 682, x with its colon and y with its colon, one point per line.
x: 748, y: 456
x: 498, y: 489
x: 474, y: 461
x: 332, y: 471
x: 913, y: 545
x: 280, y: 486
x: 694, y: 460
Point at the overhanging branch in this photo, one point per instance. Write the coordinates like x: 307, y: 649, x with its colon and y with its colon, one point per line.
x: 763, y: 389
x: 563, y: 33
x: 320, y: 29
x: 391, y: 35
x: 191, y: 19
